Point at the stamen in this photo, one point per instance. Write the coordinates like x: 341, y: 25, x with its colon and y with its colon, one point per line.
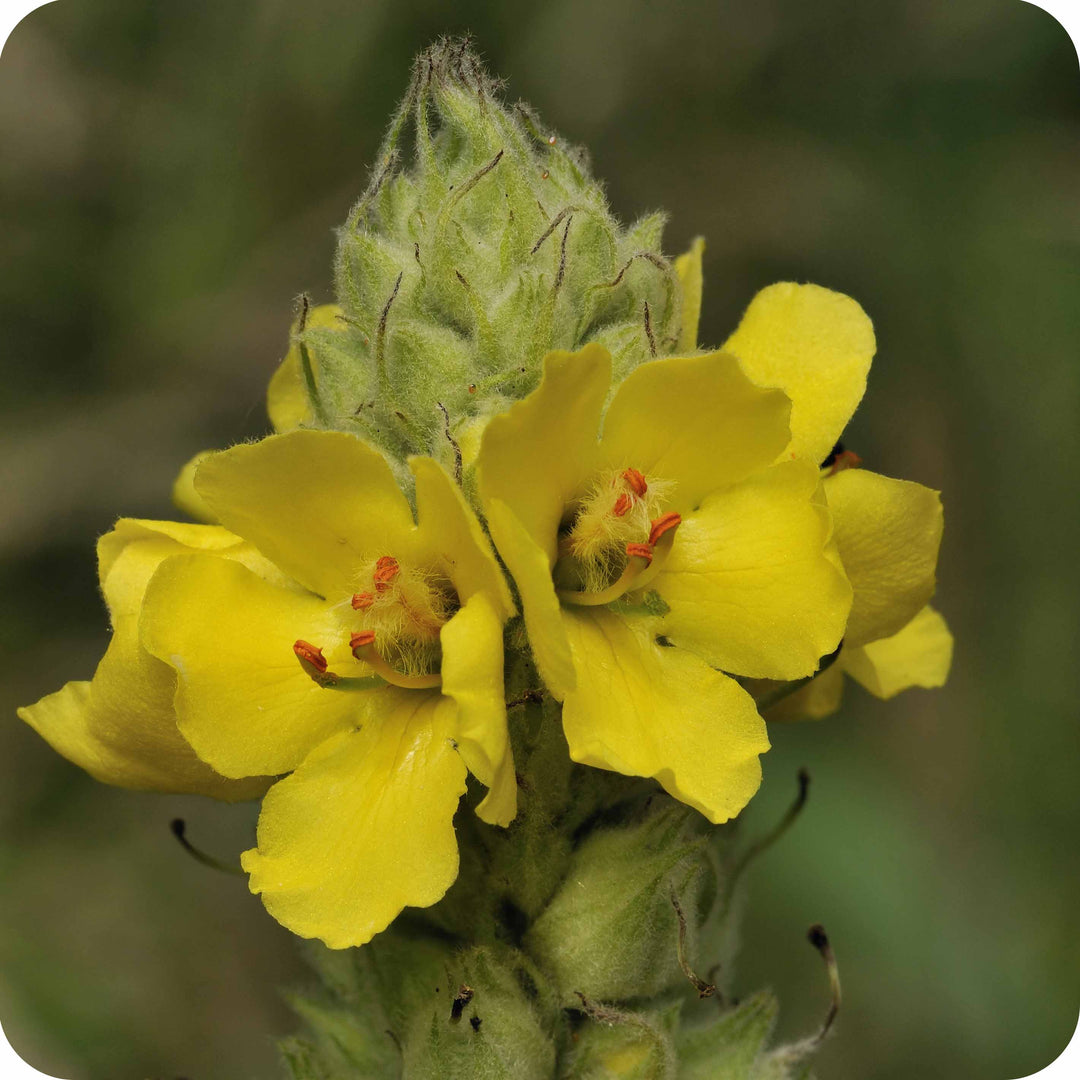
x: 662, y: 524
x: 636, y: 481
x: 386, y: 569
x: 640, y: 551
x: 363, y: 648
x: 361, y: 601
x: 622, y: 504
x: 310, y: 654
x: 314, y: 663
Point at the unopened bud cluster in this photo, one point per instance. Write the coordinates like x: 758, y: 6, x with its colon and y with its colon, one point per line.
x: 481, y: 243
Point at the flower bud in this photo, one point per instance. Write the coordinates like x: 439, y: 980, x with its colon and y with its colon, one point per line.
x: 611, y: 931
x: 484, y: 1028
x: 481, y: 243
x: 630, y: 1046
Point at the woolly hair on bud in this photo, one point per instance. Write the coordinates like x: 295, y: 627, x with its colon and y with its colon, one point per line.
x: 481, y: 243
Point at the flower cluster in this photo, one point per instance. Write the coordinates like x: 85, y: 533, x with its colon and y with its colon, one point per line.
x: 671, y: 534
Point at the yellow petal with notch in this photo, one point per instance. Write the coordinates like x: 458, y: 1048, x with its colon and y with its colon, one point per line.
x: 645, y: 710
x: 750, y: 582
x: 364, y: 827
x: 814, y: 344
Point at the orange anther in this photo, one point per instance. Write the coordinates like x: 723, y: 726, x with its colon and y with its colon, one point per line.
x: 663, y: 524
x: 640, y: 551
x: 636, y: 481
x: 310, y: 654
x: 386, y: 569
x: 622, y: 504
x: 358, y: 641
x: 362, y: 600
x: 846, y: 459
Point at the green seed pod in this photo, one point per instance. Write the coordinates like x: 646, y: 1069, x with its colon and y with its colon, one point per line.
x: 470, y: 257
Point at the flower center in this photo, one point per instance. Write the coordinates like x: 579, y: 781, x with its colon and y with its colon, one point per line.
x: 403, y: 609
x: 613, y: 537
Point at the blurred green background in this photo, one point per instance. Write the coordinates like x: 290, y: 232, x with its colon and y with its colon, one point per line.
x: 170, y: 177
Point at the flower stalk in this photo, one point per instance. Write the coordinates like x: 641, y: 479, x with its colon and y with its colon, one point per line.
x: 494, y: 623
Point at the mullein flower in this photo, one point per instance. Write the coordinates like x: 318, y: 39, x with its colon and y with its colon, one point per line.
x: 817, y: 345
x: 356, y: 650
x: 660, y: 555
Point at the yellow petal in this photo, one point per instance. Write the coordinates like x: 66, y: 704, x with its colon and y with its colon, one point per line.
x: 449, y: 528
x: 750, y: 584
x: 286, y: 396
x: 364, y: 827
x: 918, y: 655
x: 691, y: 280
x: 814, y: 344
x: 136, y: 746
x: 540, y: 455
x: 121, y: 727
x: 819, y: 698
x: 645, y: 710
x: 697, y: 421
x: 316, y: 503
x: 184, y: 496
x: 888, y: 533
x: 243, y: 701
x: 472, y: 676
x: 531, y: 570
x: 157, y: 540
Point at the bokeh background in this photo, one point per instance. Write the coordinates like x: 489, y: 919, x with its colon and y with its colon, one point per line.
x: 170, y: 177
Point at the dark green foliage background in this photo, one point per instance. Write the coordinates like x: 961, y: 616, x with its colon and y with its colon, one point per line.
x: 170, y: 175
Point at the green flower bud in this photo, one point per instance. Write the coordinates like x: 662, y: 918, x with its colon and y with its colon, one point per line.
x: 485, y: 1028
x: 611, y: 931
x: 614, y: 1045
x: 731, y: 1046
x: 364, y: 999
x: 470, y: 257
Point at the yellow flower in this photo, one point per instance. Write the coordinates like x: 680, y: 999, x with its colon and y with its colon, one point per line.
x: 353, y: 648
x: 817, y: 345
x: 654, y: 558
